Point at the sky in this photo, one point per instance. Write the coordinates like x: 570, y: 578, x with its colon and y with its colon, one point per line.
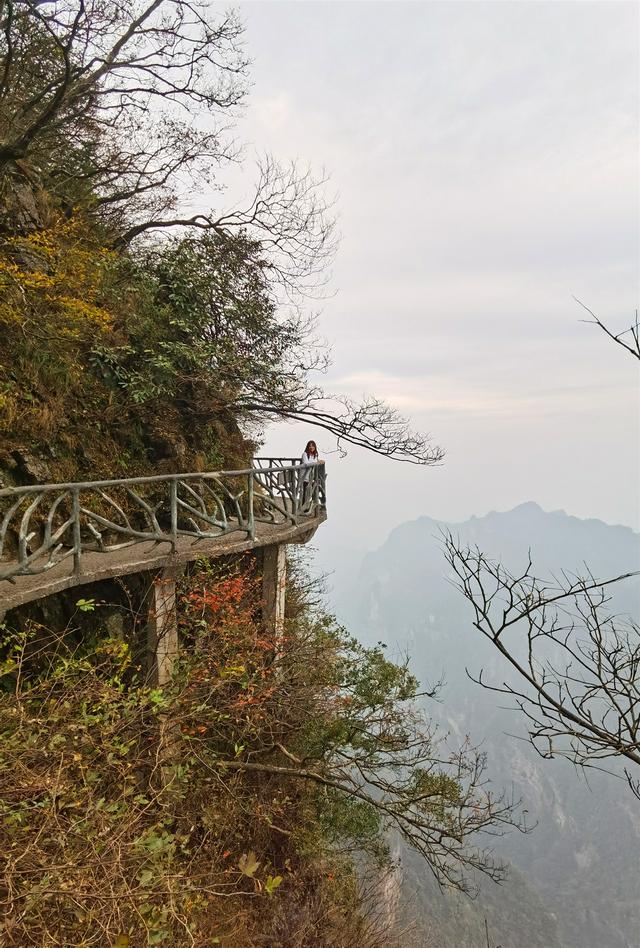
x: 485, y: 162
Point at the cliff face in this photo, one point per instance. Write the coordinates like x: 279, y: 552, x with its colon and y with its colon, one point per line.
x: 98, y: 376
x: 573, y: 882
x: 24, y: 204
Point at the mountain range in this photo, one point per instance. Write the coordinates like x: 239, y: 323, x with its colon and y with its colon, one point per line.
x: 574, y: 880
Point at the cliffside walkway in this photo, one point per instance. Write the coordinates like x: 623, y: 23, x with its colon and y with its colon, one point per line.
x: 57, y: 536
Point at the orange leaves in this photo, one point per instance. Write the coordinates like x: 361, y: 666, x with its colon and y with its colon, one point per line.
x: 194, y: 731
x: 267, y: 645
x: 233, y: 672
x: 229, y: 597
x: 252, y: 700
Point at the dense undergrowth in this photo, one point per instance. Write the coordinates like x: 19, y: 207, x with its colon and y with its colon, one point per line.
x: 248, y: 802
x: 128, y: 815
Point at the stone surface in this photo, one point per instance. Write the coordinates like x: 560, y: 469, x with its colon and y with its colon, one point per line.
x: 274, y: 579
x: 31, y: 469
x: 162, y: 629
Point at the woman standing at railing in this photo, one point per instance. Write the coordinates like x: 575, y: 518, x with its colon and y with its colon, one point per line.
x: 309, y: 456
x: 310, y: 453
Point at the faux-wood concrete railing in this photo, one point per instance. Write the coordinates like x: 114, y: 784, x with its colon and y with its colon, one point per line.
x: 53, y: 536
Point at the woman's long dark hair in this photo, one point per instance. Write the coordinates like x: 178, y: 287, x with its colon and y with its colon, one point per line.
x: 315, y: 449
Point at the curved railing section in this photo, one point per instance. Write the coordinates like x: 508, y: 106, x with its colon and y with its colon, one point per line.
x: 43, y: 525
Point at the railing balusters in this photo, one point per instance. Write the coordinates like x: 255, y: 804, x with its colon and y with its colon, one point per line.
x: 107, y: 516
x: 294, y: 488
x: 173, y: 503
x: 77, y: 535
x: 251, y: 521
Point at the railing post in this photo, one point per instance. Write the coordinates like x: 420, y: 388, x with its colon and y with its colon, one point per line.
x: 77, y: 538
x: 251, y: 522
x: 173, y: 494
x: 164, y: 650
x: 295, y: 488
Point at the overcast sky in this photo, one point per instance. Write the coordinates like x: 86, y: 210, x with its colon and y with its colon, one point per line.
x: 486, y: 161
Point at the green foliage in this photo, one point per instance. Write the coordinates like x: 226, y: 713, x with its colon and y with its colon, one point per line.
x: 205, y: 807
x: 345, y: 818
x: 86, y: 605
x: 110, y: 365
x: 248, y: 864
x: 272, y: 883
x: 210, y: 332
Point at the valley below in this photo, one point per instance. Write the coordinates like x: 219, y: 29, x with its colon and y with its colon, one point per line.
x: 573, y: 880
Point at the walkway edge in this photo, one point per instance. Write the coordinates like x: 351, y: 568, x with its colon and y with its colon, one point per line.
x: 145, y: 557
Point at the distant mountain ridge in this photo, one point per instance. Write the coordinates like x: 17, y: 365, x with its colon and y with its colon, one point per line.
x: 575, y: 883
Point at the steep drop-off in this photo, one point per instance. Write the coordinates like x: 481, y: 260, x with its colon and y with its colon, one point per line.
x: 575, y: 882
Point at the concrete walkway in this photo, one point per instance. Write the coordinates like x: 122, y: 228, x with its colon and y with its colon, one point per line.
x: 146, y: 556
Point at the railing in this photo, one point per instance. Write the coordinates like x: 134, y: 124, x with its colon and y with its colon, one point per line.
x: 45, y: 524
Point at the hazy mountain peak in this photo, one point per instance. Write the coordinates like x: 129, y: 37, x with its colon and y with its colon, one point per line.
x: 529, y: 506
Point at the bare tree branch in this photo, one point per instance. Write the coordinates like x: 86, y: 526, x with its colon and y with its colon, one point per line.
x: 370, y: 424
x: 579, y: 663
x: 634, y: 331
x: 131, y: 98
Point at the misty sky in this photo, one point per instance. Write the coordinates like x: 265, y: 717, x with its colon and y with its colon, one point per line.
x: 485, y: 157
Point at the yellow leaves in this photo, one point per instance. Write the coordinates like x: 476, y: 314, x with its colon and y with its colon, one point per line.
x: 81, y: 311
x: 8, y: 408
x: 45, y: 241
x: 248, y: 864
x: 116, y: 649
x: 272, y: 883
x: 58, y: 277
x: 11, y: 273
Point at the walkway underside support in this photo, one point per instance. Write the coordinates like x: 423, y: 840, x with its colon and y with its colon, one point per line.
x: 274, y: 577
x: 162, y: 629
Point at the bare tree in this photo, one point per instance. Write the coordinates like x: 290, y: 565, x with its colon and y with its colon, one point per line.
x: 576, y: 663
x: 406, y: 804
x: 128, y: 108
x: 370, y: 424
x: 106, y: 74
x: 287, y: 217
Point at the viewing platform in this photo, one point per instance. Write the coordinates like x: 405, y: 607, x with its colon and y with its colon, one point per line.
x: 58, y: 536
